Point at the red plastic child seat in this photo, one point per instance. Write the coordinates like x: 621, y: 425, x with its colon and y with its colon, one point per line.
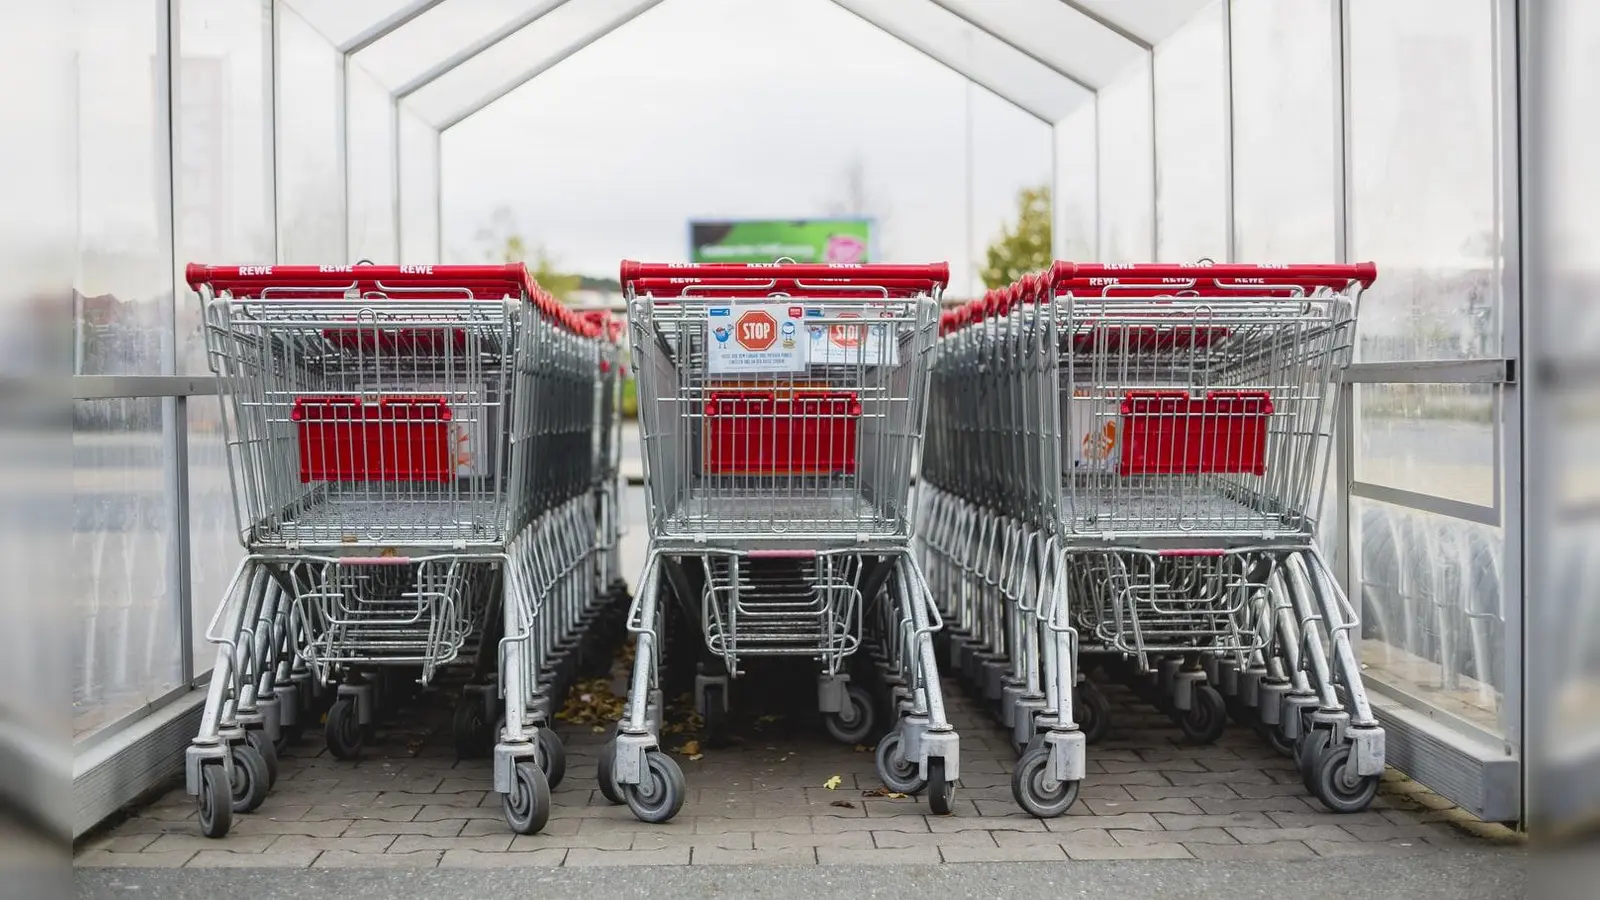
x: 763, y: 433
x: 393, y: 439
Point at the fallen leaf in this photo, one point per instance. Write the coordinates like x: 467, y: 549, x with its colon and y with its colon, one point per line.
x: 692, y: 748
x: 833, y: 783
x: 863, y: 748
x: 843, y: 804
x: 695, y: 757
x: 598, y: 729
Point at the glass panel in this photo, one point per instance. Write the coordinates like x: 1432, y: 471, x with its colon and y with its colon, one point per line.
x: 1423, y: 146
x: 1285, y: 192
x: 342, y: 20
x: 1191, y: 78
x: 1127, y: 177
x: 1057, y: 34
x: 123, y: 299
x: 1152, y: 20
x: 224, y: 150
x: 311, y: 205
x: 1433, y: 625
x: 1436, y: 439
x: 371, y: 129
x: 1075, y: 228
x: 439, y: 33
x: 127, y: 651
x: 419, y: 190
x: 214, y: 548
x: 999, y: 68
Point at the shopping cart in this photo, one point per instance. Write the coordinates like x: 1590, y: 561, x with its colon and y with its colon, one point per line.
x: 1190, y: 430
x: 410, y: 449
x: 781, y: 408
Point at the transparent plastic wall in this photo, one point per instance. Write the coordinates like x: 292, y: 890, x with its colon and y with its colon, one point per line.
x: 310, y: 144
x: 1191, y: 122
x: 372, y: 133
x: 419, y: 189
x: 1125, y: 127
x: 1425, y: 201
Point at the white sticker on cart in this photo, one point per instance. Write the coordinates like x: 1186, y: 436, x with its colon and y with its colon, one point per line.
x: 872, y: 343
x: 1093, y: 432
x: 765, y: 337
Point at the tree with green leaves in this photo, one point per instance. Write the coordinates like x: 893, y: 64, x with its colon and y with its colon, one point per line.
x: 1023, y: 246
x: 504, y: 243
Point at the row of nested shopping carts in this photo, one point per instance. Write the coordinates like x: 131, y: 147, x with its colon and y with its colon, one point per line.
x: 1124, y: 467
x: 1121, y: 465
x: 424, y: 465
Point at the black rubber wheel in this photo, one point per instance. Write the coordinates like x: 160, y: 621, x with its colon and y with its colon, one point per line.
x: 1273, y: 735
x: 1030, y: 786
x: 527, y: 806
x: 343, y: 731
x: 1308, y: 752
x: 249, y: 788
x: 659, y: 795
x: 714, y: 728
x: 897, y: 773
x: 852, y: 724
x: 941, y: 793
x: 552, y: 756
x: 606, y: 771
x: 1336, y: 784
x: 268, y: 751
x: 469, y: 728
x: 1206, y: 718
x: 1092, y: 711
x: 288, y: 736
x: 215, y: 801
x: 1243, y: 716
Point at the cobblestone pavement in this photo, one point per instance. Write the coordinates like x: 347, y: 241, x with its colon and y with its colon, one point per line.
x: 762, y: 800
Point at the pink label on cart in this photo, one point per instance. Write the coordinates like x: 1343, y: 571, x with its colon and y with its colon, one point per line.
x: 844, y: 248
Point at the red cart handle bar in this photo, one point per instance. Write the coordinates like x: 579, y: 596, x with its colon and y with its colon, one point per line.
x: 866, y: 273
x: 1366, y: 273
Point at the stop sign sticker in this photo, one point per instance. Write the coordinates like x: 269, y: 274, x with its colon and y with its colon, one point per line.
x: 847, y: 336
x: 756, y: 331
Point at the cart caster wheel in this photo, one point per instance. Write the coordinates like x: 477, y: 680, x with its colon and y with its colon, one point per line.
x: 552, y: 757
x: 1308, y: 751
x: 897, y: 773
x: 715, y: 726
x: 249, y: 779
x: 659, y: 796
x: 1338, y: 786
x: 1030, y: 785
x: 470, y: 729
x: 268, y: 751
x: 1273, y: 735
x: 343, y: 731
x: 288, y: 736
x: 1093, y: 713
x: 216, y: 802
x: 527, y: 806
x: 852, y: 724
x: 941, y: 793
x: 608, y: 785
x: 1242, y: 715
x: 1206, y: 718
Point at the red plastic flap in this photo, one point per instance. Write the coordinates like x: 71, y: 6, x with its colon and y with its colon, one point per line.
x: 1167, y: 432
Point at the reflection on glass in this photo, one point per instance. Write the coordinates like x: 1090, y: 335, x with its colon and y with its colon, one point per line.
x: 214, y: 548
x: 1436, y: 439
x: 1284, y: 187
x: 1425, y: 187
x: 126, y: 653
x: 123, y: 288
x: 1127, y: 178
x: 1433, y: 624
x: 1191, y: 79
x: 310, y: 147
x: 419, y: 190
x: 369, y: 122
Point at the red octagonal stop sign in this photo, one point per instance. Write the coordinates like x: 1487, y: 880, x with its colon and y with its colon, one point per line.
x: 756, y: 330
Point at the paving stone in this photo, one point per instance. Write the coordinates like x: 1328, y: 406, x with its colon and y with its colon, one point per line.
x: 897, y: 839
x: 439, y: 828
x: 346, y: 859
x: 1388, y: 832
x: 274, y: 859
x: 1370, y: 848
x: 1191, y: 836
x: 473, y: 859
x: 832, y: 824
x: 1231, y: 777
x: 728, y: 840
x: 1217, y: 806
x: 625, y: 822
x: 846, y: 856
x: 1026, y: 853
x: 258, y: 825
x: 120, y: 843
x: 487, y: 843
x: 101, y: 859
x: 370, y: 844
x: 714, y: 856
x: 1187, y: 791
x: 412, y: 798
x: 194, y: 843
x: 855, y: 840
x: 1142, y: 821
x: 1051, y: 839
x: 1009, y: 822
x: 474, y: 827
x: 669, y: 856
x: 1177, y: 805
x: 1173, y: 822
x: 1270, y: 789
x: 1144, y: 777
x: 1328, y: 832
x: 1147, y: 851
x: 528, y: 842
x: 784, y: 825
x: 358, y: 813
x: 1274, y: 850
